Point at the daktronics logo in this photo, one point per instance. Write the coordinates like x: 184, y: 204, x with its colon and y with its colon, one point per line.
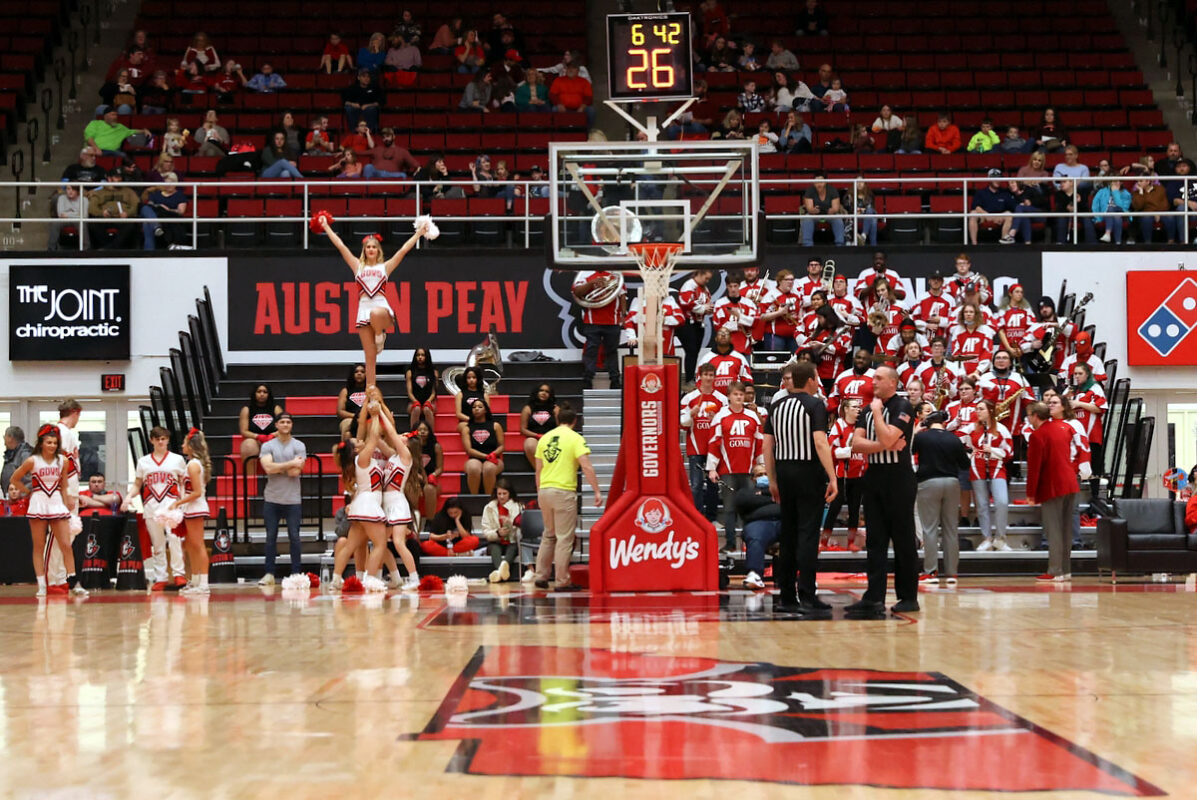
x: 95, y: 309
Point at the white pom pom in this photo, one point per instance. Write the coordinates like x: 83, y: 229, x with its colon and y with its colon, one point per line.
x: 432, y: 232
x: 297, y: 581
x: 76, y: 525
x: 457, y: 584
x: 372, y: 584
x: 168, y: 516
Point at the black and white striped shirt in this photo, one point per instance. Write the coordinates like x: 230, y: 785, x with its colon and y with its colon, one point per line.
x: 793, y: 420
x: 899, y: 413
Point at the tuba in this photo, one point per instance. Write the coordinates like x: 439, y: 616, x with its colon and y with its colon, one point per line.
x: 486, y: 355
x: 603, y: 292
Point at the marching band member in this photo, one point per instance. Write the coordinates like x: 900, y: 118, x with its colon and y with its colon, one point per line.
x: 779, y: 313
x: 972, y: 341
x: 695, y: 302
x: 990, y: 445
x: 828, y: 344
x: 1002, y: 386
x: 863, y: 287
x: 730, y: 366
x: 847, y: 307
x: 600, y: 323
x: 1084, y: 355
x: 854, y: 383
x: 1014, y: 319
x: 940, y: 375
x: 672, y: 318
x: 813, y: 280
x: 934, y: 311
x: 1048, y: 332
x: 962, y: 416
x: 894, y: 347
x: 734, y: 448
x: 965, y: 277
x: 849, y: 468
x: 1088, y: 400
x: 699, y: 408
x: 911, y: 364
x: 756, y: 287
x: 735, y: 313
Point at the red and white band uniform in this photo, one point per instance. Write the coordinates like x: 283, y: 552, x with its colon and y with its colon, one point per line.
x: 366, y: 505
x: 372, y: 292
x: 394, y: 501
x: 848, y: 463
x: 848, y: 309
x: 893, y: 345
x: 197, y: 508
x: 729, y: 368
x: 962, y: 417
x: 946, y: 375
x: 1095, y: 366
x: 161, y: 485
x: 1061, y: 344
x: 989, y: 454
x: 694, y: 300
x: 671, y: 318
x: 893, y: 318
x: 805, y: 286
x: 999, y: 390
x: 830, y: 360
x: 736, y: 442
x: 738, y: 318
x: 1090, y: 421
x: 973, y: 349
x: 757, y: 291
x: 954, y: 288
x: 864, y: 282
x: 698, y: 412
x: 787, y: 324
x: 609, y: 314
x: 933, y: 307
x: 852, y: 386
x: 1014, y: 323
x: 1078, y: 450
x: 909, y: 371
x: 988, y: 316
x: 45, y: 502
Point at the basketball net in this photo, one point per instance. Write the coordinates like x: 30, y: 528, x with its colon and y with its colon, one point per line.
x: 655, y: 261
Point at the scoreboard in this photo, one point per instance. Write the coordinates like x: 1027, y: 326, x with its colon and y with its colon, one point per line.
x: 649, y: 56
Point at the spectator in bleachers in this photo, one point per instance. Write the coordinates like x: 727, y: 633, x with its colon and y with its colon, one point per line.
x: 335, y: 57
x: 502, y: 37
x: 319, y: 141
x: 113, y: 200
x: 889, y: 125
x: 985, y: 139
x: 1050, y: 135
x: 389, y: 160
x: 141, y: 39
x: 97, y: 498
x: 231, y: 79
x: 812, y: 20
x: 438, y: 175
x: 1013, y: 142
x: 482, y: 438
x: 480, y: 170
x: 507, y: 191
x: 346, y: 167
x: 721, y: 57
x: 157, y: 96
x: 275, y: 163
x: 712, y: 21
x: 1071, y: 167
x: 450, y: 531
x: 766, y: 138
x: 1104, y: 170
x: 432, y: 455
x: 267, y: 80
x: 533, y: 93
x: 164, y: 202
x: 1110, y: 201
x: 538, y: 417
x: 787, y: 98
x: 749, y: 102
x: 780, y: 58
x: 1144, y: 166
x: 862, y: 141
x: 500, y: 526
x: 363, y: 100
x: 360, y: 141
x: 866, y: 232
x: 835, y: 98
x: 912, y: 136
x: 574, y: 57
x: 402, y: 55
x: 470, y: 55
x: 1030, y: 193
x: 944, y: 138
x: 992, y: 204
x: 175, y: 138
x: 294, y: 134
x: 1065, y: 199
x: 1172, y: 158
x: 748, y: 60
x: 697, y: 120
x: 572, y: 92
x: 119, y: 93
x: 820, y: 202
x: 372, y: 56
x: 1150, y: 196
x: 535, y: 173
x: 136, y: 62
x: 130, y: 172
x: 85, y: 170
x: 823, y: 85
x: 796, y: 136
x: 212, y: 138
x: 448, y: 37
x: 477, y: 94
x: 508, y: 68
x: 106, y: 136
x: 70, y: 206
x: 165, y: 166
x: 408, y: 28
x: 732, y: 127
x: 201, y: 55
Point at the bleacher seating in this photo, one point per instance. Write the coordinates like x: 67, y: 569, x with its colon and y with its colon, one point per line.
x: 23, y: 57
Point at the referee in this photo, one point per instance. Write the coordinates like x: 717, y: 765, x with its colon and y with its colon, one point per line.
x: 884, y: 432
x: 801, y: 480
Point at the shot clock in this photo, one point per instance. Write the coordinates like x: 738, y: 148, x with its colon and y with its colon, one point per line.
x: 649, y: 57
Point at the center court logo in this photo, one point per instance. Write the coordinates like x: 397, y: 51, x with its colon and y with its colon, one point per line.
x: 611, y: 714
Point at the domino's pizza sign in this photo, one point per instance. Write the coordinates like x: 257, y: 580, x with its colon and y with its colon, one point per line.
x: 1161, y: 315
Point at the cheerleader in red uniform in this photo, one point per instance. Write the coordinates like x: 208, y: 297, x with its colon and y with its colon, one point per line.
x: 372, y: 272
x: 849, y: 468
x: 990, y: 444
x: 400, y: 466
x: 48, y: 510
x: 365, y: 512
x: 194, y: 505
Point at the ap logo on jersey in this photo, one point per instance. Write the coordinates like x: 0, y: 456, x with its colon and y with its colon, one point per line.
x: 1161, y: 313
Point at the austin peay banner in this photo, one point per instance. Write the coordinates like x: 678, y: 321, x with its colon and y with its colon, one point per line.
x: 309, y: 302
x: 68, y: 312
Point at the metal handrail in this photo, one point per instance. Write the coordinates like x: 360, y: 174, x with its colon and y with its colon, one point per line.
x: 318, y: 474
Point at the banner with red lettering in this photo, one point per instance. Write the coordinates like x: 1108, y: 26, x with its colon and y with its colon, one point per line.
x: 449, y: 301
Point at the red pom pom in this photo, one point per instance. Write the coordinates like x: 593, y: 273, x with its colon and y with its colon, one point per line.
x: 352, y: 586
x: 431, y: 583
x: 432, y: 479
x: 314, y: 580
x: 317, y: 222
x: 492, y: 458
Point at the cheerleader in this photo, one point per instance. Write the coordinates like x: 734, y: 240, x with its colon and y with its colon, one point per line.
x: 48, y: 510
x: 421, y: 380
x: 372, y: 272
x: 366, y: 508
x: 68, y: 440
x: 194, y: 506
x: 990, y: 444
x: 352, y: 398
x: 159, y: 476
x: 849, y: 469
x: 399, y: 467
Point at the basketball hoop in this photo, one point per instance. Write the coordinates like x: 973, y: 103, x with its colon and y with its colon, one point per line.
x: 655, y: 261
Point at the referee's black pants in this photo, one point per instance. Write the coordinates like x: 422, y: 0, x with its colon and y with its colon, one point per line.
x: 800, y: 488
x: 889, y: 496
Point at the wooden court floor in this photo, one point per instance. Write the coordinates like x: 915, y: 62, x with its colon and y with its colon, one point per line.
x: 996, y: 686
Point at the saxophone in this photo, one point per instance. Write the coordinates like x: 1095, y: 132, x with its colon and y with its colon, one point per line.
x: 1003, y: 408
x: 942, y: 383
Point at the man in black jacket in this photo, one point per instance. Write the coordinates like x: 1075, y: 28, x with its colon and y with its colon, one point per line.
x: 762, y: 524
x: 941, y: 456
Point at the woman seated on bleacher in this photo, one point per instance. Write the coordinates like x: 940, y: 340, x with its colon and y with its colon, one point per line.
x: 450, y: 531
x: 500, y: 526
x: 432, y: 456
x: 482, y: 438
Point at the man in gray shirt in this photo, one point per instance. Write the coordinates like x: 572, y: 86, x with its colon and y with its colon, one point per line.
x: 282, y: 460
x: 16, y: 450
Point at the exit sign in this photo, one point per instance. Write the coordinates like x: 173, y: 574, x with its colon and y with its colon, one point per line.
x: 112, y: 382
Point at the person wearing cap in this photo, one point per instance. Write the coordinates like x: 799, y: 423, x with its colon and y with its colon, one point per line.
x: 992, y: 204
x: 572, y: 92
x: 1048, y: 329
x: 508, y: 68
x: 389, y: 160
x: 985, y: 139
x: 106, y: 136
x: 85, y: 170
x: 533, y: 93
x: 1084, y: 355
x: 363, y: 100
x: 113, y: 200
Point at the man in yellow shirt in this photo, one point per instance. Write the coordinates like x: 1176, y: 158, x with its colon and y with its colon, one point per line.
x: 559, y: 454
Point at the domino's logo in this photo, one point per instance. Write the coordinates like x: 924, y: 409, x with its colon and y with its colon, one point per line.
x: 1173, y: 320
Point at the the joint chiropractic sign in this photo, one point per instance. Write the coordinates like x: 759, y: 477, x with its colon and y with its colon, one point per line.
x: 69, y: 312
